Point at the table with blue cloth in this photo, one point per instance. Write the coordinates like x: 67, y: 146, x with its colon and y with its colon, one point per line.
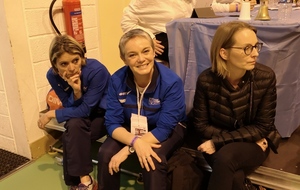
x: 189, y: 49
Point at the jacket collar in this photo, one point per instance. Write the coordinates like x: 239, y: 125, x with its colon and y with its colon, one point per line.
x: 130, y: 79
x: 244, y: 80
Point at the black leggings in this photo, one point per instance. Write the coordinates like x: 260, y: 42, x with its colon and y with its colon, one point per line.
x: 232, y: 163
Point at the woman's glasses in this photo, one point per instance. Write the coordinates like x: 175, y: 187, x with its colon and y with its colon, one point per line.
x: 249, y: 48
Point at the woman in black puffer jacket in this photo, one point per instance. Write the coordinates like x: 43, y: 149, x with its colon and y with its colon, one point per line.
x: 234, y: 107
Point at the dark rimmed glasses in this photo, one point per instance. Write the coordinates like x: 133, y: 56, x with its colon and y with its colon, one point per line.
x: 249, y: 48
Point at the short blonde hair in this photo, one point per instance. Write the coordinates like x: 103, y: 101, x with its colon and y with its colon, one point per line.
x: 223, y: 38
x: 64, y: 44
x: 130, y: 35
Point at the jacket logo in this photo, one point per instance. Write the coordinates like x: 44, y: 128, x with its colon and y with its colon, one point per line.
x: 123, y: 99
x: 154, y: 101
x: 124, y: 93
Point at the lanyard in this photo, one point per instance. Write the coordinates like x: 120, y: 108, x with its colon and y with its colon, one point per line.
x: 140, y: 98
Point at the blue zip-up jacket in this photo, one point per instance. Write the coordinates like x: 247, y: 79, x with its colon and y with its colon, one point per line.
x: 163, y: 103
x: 94, y: 83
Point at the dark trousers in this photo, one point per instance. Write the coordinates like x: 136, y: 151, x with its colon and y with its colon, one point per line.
x: 77, y: 138
x: 154, y: 179
x: 232, y: 163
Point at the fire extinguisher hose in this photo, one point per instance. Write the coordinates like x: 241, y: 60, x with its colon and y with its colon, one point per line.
x: 51, y: 17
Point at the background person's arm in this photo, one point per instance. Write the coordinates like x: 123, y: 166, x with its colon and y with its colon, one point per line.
x: 130, y: 20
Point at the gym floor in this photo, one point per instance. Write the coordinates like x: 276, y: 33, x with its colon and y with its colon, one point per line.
x: 46, y: 174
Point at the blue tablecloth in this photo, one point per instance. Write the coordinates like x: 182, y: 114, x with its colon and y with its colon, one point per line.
x: 189, y: 46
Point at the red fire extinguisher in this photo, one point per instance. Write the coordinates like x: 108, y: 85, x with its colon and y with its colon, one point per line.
x: 73, y: 20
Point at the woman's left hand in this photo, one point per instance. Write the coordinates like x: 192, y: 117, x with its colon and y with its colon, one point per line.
x: 117, y: 159
x: 207, y: 147
x: 263, y: 143
x: 145, y: 153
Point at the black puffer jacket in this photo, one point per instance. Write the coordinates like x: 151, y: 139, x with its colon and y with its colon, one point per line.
x: 226, y: 115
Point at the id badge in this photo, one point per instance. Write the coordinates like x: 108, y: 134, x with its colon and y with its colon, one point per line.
x: 139, y: 125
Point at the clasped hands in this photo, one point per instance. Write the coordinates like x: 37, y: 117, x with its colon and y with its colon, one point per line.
x: 145, y: 154
x: 209, y: 147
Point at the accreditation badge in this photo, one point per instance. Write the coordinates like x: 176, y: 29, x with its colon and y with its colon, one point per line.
x: 139, y: 125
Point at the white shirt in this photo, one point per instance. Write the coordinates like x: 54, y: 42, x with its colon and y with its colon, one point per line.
x: 152, y: 15
x: 222, y: 5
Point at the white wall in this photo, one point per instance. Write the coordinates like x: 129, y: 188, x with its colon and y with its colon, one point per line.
x: 10, y: 109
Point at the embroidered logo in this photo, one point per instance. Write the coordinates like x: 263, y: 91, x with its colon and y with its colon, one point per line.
x: 124, y: 93
x: 122, y: 98
x: 154, y: 101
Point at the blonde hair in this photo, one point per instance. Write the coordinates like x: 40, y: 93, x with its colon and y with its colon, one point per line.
x: 64, y: 44
x: 223, y: 38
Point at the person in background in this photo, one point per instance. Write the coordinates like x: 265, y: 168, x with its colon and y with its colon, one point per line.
x: 144, y: 117
x: 152, y: 16
x: 81, y: 85
x: 229, y: 5
x: 234, y: 107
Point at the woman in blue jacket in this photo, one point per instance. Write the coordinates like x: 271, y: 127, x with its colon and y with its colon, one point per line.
x: 81, y: 85
x: 145, y: 105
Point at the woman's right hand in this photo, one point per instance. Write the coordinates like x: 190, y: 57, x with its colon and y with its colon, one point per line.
x: 145, y: 153
x: 117, y: 159
x: 44, y: 119
x: 207, y: 147
x: 75, y: 82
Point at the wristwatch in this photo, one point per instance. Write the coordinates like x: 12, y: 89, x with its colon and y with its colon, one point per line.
x: 131, y: 149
